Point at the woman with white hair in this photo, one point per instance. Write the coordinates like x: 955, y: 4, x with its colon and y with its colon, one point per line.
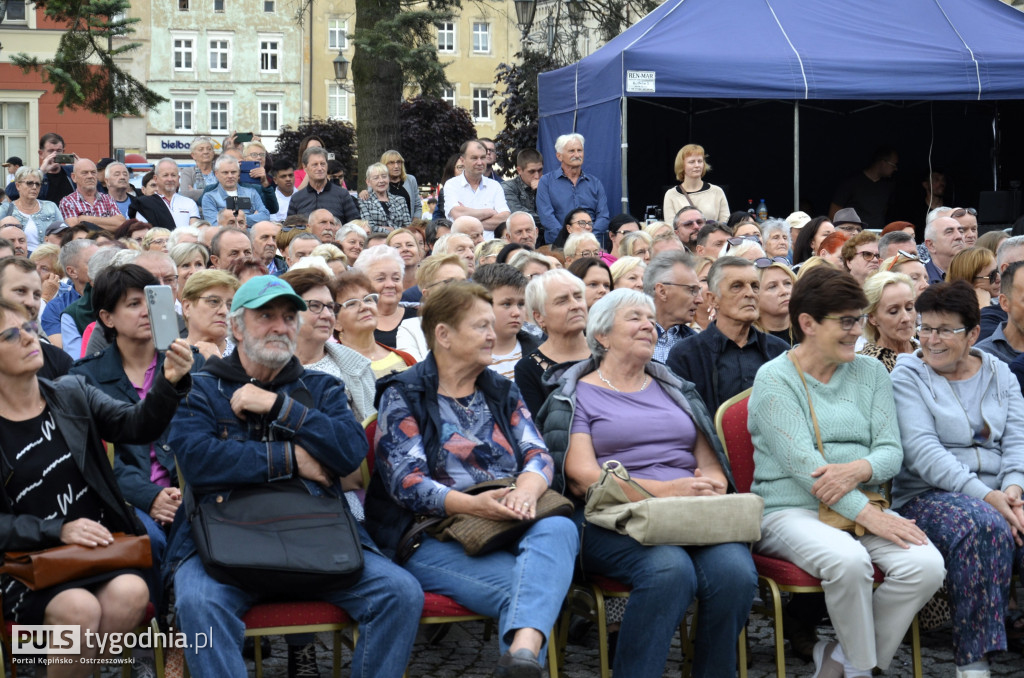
x: 182, y: 234
x: 351, y: 238
x: 384, y: 210
x: 579, y: 246
x: 628, y: 272
x: 556, y: 302
x: 189, y: 258
x: 775, y: 238
x: 386, y: 271
x: 194, y: 180
x: 530, y: 263
x: 690, y: 167
x: 637, y: 244
x: 591, y: 418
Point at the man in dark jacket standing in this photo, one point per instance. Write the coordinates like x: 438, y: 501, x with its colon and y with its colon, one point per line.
x: 320, y: 193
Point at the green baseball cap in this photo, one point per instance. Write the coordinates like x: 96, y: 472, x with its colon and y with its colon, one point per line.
x: 261, y: 290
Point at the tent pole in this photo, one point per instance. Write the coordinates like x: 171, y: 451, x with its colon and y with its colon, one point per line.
x: 796, y: 155
x: 625, y: 148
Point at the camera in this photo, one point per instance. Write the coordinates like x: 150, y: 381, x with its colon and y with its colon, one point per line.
x: 238, y: 203
x: 652, y: 214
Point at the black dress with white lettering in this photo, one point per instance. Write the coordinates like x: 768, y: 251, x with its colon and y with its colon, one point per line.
x: 44, y: 482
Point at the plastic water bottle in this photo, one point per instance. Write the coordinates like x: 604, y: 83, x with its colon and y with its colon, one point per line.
x: 762, y: 212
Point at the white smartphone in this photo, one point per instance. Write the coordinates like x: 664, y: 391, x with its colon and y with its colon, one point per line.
x: 163, y: 321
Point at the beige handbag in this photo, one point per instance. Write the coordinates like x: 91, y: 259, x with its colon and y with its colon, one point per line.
x: 684, y: 521
x: 825, y: 512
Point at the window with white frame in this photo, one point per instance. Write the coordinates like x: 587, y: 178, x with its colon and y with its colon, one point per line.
x: 183, y: 109
x: 220, y: 117
x: 184, y: 54
x: 481, y: 37
x: 481, y: 103
x: 16, y: 12
x: 446, y: 37
x: 448, y: 94
x: 220, y: 54
x: 337, y: 103
x: 218, y: 5
x: 270, y: 113
x: 270, y: 55
x: 337, y: 34
x: 268, y: 6
x: 14, y: 122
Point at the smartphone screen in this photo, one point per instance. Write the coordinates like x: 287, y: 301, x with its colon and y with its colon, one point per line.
x: 243, y: 137
x: 163, y: 321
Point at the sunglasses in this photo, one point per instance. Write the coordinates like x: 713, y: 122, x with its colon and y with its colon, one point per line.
x: 13, y: 334
x: 869, y: 256
x: 902, y: 257
x: 963, y: 211
x: 992, y: 277
x: 739, y: 240
x: 765, y: 262
x: 300, y: 227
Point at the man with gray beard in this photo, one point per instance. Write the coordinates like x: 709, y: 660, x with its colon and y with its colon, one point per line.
x: 259, y: 417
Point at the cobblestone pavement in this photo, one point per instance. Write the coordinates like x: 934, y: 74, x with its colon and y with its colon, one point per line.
x: 464, y: 653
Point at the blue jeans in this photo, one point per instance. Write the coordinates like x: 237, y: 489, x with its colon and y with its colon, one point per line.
x: 386, y: 602
x: 158, y: 545
x: 664, y: 581
x: 522, y: 588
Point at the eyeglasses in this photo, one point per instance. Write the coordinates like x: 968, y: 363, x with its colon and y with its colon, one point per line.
x: 693, y: 222
x: 902, y: 257
x: 13, y: 334
x: 31, y: 184
x: 584, y: 223
x: 765, y: 262
x: 590, y: 253
x: 256, y: 156
x: 992, y: 277
x: 642, y: 252
x: 317, y: 307
x: 869, y: 256
x: 158, y: 241
x: 170, y: 280
x: 943, y: 332
x: 694, y: 290
x: 847, y: 322
x: 739, y: 240
x: 215, y: 302
x: 963, y: 211
x: 368, y: 300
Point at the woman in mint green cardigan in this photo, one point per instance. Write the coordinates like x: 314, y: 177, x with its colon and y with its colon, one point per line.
x: 854, y: 416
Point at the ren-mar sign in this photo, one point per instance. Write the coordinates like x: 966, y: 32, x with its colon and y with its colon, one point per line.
x: 640, y: 81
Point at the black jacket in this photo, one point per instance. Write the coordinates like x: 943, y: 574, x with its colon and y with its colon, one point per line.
x: 154, y: 209
x: 333, y: 198
x: 85, y: 417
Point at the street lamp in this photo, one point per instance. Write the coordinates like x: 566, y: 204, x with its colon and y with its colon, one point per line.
x: 576, y: 13
x: 341, y: 71
x: 525, y: 9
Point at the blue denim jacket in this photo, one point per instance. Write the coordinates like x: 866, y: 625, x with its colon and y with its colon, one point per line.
x: 216, y: 449
x: 215, y: 201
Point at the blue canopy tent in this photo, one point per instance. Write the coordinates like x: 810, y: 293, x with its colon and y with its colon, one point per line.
x: 726, y: 53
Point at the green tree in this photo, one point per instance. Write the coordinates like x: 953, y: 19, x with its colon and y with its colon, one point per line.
x: 339, y: 138
x: 432, y: 129
x: 519, y: 104
x: 84, y: 71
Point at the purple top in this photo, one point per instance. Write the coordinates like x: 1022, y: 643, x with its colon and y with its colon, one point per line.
x: 619, y: 424
x: 157, y: 473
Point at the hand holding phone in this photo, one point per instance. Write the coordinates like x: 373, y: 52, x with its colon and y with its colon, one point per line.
x: 163, y: 321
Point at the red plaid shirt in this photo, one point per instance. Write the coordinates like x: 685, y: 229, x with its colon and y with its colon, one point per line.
x: 74, y: 205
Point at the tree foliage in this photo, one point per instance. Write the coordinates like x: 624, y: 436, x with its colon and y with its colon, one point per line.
x: 520, y: 104
x: 84, y: 71
x: 432, y: 129
x: 339, y: 138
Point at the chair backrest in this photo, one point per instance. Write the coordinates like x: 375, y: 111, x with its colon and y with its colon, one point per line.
x: 370, y: 425
x: 731, y: 424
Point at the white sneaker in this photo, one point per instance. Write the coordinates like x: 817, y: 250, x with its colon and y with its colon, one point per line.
x: 975, y: 673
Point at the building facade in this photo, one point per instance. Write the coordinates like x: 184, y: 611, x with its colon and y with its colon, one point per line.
x: 28, y: 106
x: 224, y: 67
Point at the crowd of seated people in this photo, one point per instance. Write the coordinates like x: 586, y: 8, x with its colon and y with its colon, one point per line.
x: 486, y: 354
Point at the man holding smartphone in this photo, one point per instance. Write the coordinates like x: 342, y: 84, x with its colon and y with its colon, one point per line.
x: 227, y: 171
x: 56, y: 177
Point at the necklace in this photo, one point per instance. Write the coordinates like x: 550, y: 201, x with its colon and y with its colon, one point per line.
x: 468, y: 409
x: 647, y: 378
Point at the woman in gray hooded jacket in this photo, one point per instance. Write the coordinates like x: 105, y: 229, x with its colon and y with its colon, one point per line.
x: 962, y: 429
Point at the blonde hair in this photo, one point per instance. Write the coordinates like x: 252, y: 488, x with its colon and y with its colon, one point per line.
x: 329, y: 252
x: 200, y: 281
x: 813, y: 262
x: 45, y: 251
x: 690, y: 149
x: 623, y: 266
x: 874, y: 288
x: 653, y: 228
x: 152, y: 234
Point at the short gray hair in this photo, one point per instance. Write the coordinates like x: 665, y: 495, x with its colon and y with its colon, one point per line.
x: 533, y: 222
x: 104, y: 259
x: 715, y: 273
x: 602, y: 315
x: 164, y: 161
x: 223, y: 159
x: 106, y: 170
x: 300, y: 236
x: 200, y: 140
x: 184, y: 251
x: 176, y: 234
x: 26, y: 172
x: 890, y: 239
x: 70, y: 252
x: 1003, y: 253
x: 350, y: 228
x: 940, y: 211
x: 660, y: 268
x: 769, y: 226
x: 311, y: 151
x: 561, y: 141
x: 537, y: 289
x: 574, y: 241
x: 377, y: 253
x: 376, y: 168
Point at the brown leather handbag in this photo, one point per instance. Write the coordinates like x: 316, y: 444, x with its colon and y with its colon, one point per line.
x: 825, y: 512
x: 49, y: 567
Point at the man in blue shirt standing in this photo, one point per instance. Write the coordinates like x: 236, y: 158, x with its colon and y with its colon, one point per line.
x: 568, y: 188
